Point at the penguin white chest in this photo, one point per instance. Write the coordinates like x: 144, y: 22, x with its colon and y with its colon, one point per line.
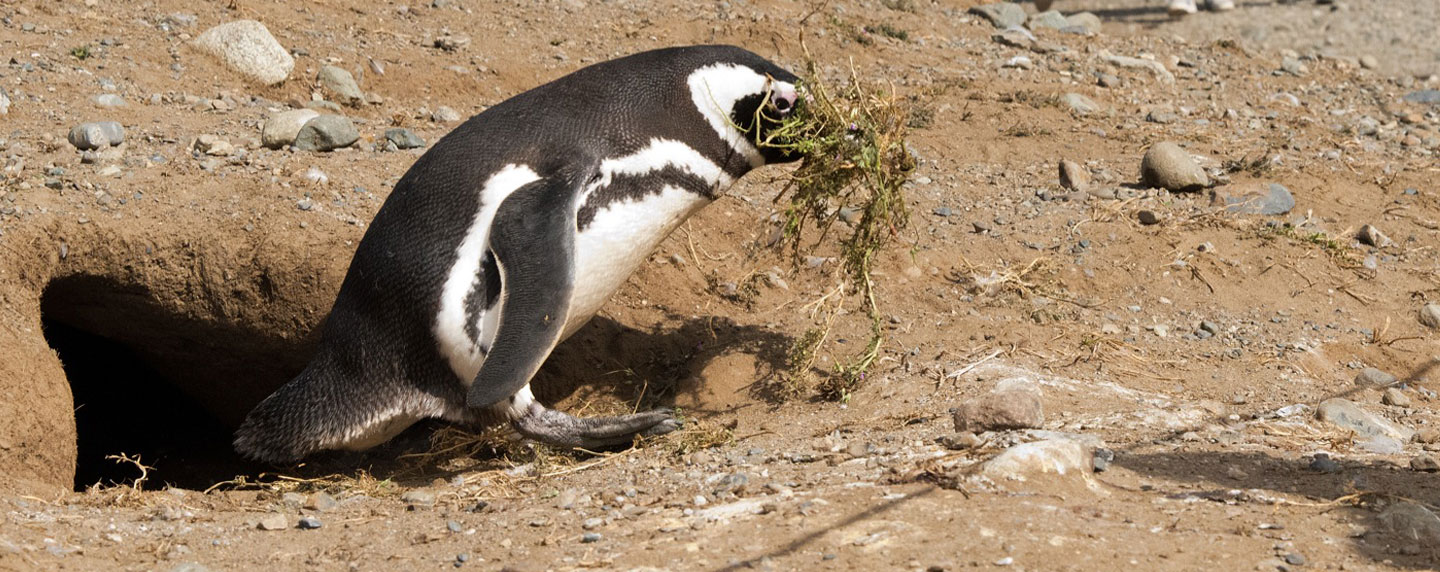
x: 618, y: 240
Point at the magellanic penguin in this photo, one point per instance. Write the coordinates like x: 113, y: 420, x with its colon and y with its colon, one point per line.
x: 508, y: 235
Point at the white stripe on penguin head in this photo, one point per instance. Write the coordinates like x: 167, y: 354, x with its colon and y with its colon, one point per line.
x: 714, y: 89
x: 463, y: 353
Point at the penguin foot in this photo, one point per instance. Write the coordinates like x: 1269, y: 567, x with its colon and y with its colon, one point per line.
x: 560, y: 429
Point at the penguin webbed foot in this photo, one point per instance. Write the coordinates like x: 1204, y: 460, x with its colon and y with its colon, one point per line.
x: 564, y: 430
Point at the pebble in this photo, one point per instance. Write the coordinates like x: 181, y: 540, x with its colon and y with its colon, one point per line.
x: 247, y: 47
x: 1295, y: 559
x: 308, y: 523
x: 1430, y: 315
x: 341, y: 85
x: 1037, y: 458
x: 1369, y: 235
x: 1394, y: 397
x: 1425, y: 463
x: 326, y: 133
x: 274, y: 522
x: 1074, y: 176
x: 1322, y: 463
x: 281, y: 128
x: 1001, y: 14
x: 1293, y: 66
x: 444, y: 114
x: 590, y: 537
x: 592, y: 523
x: 1168, y: 166
x: 454, y: 526
x: 1085, y: 20
x: 1147, y: 217
x: 189, y: 567
x: 1424, y: 96
x: 4, y: 102
x: 1154, y: 67
x: 213, y: 146
x: 1049, y: 19
x: 1255, y: 198
x: 404, y: 138
x: 1412, y: 522
x: 108, y: 100
x: 1371, y: 378
x: 321, y: 502
x: 1345, y: 414
x: 942, y: 211
x: 1016, y: 406
x: 1020, y: 62
x: 96, y: 135
x: 1079, y: 104
x: 1369, y: 62
x: 1102, y: 459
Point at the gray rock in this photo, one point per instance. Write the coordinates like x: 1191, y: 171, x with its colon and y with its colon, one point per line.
x: 1001, y: 14
x: 108, y: 100
x: 1167, y: 166
x: 1395, y: 397
x: 1074, y: 176
x: 1424, y: 463
x: 96, y: 135
x: 444, y: 114
x: 1016, y: 38
x: 1154, y: 67
x: 1430, y: 315
x: 1322, y: 463
x: 247, y: 47
x: 1369, y: 235
x: 189, y: 567
x: 322, y: 105
x: 321, y: 502
x: 340, y: 84
x: 1086, y: 20
x: 1010, y: 406
x: 1147, y: 217
x: 1255, y: 198
x: 1347, y: 415
x: 1431, y: 96
x: 404, y: 138
x: 1050, y: 19
x: 281, y: 128
x: 590, y: 537
x: 1372, y: 378
x: 419, y: 497
x: 1040, y: 458
x: 326, y: 133
x: 1079, y: 104
x: 1411, y: 522
x: 308, y: 523
x: 274, y: 522
x: 1293, y: 66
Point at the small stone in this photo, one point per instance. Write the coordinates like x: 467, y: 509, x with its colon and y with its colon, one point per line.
x: 321, y: 502
x: 1168, y: 166
x: 1295, y: 559
x: 419, y: 497
x: 1079, y: 104
x: 592, y: 523
x: 341, y: 85
x: 96, y: 135
x: 1268, y: 199
x: 1430, y: 315
x: 1001, y: 14
x: 274, y: 522
x: 1108, y: 80
x: 108, y: 100
x: 1074, y: 176
x: 1369, y: 62
x: 1102, y: 459
x: 1147, y: 217
x: 961, y: 441
x: 1293, y: 66
x: 1371, y: 378
x: 451, y: 42
x: 1016, y: 407
x: 1394, y: 397
x: 326, y: 133
x: 1424, y: 96
x: 1372, y: 236
x: 444, y: 114
x: 308, y: 523
x: 454, y: 526
x: 404, y: 138
x: 1425, y: 463
x: 1347, y: 415
x: 247, y: 47
x: 1020, y: 62
x: 1090, y: 22
x: 941, y: 211
x: 1322, y: 463
x: 281, y: 128
x: 590, y: 537
x: 1236, y: 473
x: 1411, y: 522
x: 1048, y: 457
x: 213, y: 146
x: 1428, y: 435
x: 4, y: 102
x: 1049, y: 19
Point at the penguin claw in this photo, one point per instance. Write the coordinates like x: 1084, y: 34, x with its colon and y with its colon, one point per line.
x: 663, y: 427
x: 558, y: 428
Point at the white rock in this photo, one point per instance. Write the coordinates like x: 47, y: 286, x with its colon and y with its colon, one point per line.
x: 280, y: 129
x: 247, y: 47
x: 1052, y: 457
x: 1430, y: 315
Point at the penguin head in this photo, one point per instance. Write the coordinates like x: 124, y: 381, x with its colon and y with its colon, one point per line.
x: 743, y: 97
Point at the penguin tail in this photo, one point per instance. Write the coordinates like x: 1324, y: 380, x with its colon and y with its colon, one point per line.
x: 317, y: 410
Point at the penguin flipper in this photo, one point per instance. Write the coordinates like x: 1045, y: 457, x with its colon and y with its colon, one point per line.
x: 533, y: 243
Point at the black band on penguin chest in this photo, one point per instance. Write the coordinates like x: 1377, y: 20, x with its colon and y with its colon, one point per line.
x: 636, y: 187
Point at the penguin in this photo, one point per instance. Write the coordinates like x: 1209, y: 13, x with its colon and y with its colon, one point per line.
x: 508, y: 235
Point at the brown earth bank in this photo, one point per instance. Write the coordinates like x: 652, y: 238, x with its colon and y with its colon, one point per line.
x: 1144, y: 377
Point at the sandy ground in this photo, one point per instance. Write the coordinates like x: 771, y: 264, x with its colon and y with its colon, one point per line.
x: 1190, y: 356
